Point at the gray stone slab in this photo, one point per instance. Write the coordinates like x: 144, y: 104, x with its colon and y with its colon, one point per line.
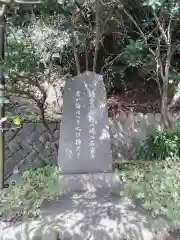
x: 46, y: 154
x: 14, y: 145
x: 8, y: 154
x: 38, y: 146
x: 9, y: 135
x: 96, y: 217
x: 23, y: 164
x: 88, y: 216
x: 57, y: 125
x: 19, y: 155
x: 31, y: 157
x: 53, y: 159
x: 27, y: 147
x: 40, y: 128
x: 94, y: 182
x: 34, y: 230
x: 13, y: 161
x: 9, y: 167
x: 52, y: 127
x: 44, y: 138
x: 28, y: 140
x: 56, y: 134
x: 26, y: 130
x: 84, y: 145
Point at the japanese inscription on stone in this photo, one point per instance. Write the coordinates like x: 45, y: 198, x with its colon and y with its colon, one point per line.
x: 84, y: 145
x: 92, y: 130
x: 78, y: 129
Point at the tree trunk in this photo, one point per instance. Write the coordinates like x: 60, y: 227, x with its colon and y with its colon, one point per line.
x: 167, y: 118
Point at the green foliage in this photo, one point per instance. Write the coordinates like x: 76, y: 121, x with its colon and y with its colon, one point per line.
x: 156, y: 184
x: 133, y: 54
x: 174, y: 77
x: 49, y: 5
x: 167, y: 6
x: 21, y: 55
x: 56, y: 26
x: 154, y: 3
x: 115, y: 80
x: 160, y: 145
x: 29, y: 117
x: 23, y: 117
x: 39, y: 38
x: 57, y: 6
x: 24, y: 197
x: 30, y: 49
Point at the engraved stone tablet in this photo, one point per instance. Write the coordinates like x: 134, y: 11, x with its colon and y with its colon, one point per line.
x: 84, y: 145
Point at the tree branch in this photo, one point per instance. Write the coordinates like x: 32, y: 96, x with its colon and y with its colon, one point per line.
x: 169, y: 54
x: 3, y: 10
x: 3, y: 120
x: 97, y: 34
x: 173, y: 103
x: 7, y: 2
x: 75, y: 54
x: 159, y: 62
x: 177, y: 117
x: 160, y: 27
x: 27, y: 2
x: 134, y: 21
x: 110, y: 62
x: 40, y: 104
x: 157, y: 77
x: 86, y: 56
x: 138, y: 28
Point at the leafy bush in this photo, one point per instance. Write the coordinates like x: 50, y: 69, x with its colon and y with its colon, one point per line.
x: 24, y: 197
x: 162, y: 144
x: 133, y: 53
x: 156, y: 184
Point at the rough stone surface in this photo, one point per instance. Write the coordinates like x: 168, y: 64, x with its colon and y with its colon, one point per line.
x: 25, y: 147
x: 88, y: 216
x: 128, y: 130
x: 97, y: 182
x: 34, y: 230
x: 84, y: 145
x: 101, y: 216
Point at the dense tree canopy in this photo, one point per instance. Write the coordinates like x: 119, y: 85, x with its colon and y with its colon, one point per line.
x: 114, y: 38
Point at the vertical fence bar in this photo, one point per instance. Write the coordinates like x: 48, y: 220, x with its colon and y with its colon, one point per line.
x: 2, y: 88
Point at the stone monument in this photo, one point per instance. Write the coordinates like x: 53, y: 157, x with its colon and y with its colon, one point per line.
x: 84, y: 145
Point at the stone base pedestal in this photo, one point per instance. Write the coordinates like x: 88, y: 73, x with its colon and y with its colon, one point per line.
x: 94, y: 182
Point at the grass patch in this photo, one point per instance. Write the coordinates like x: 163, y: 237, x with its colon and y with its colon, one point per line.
x: 156, y: 184
x: 23, y: 198
x: 164, y: 143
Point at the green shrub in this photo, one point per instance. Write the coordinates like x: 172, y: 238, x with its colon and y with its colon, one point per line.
x: 161, y: 145
x: 156, y: 184
x: 24, y: 197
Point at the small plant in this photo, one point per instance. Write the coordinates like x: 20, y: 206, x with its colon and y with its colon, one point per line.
x: 156, y: 184
x: 24, y: 197
x: 161, y: 145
